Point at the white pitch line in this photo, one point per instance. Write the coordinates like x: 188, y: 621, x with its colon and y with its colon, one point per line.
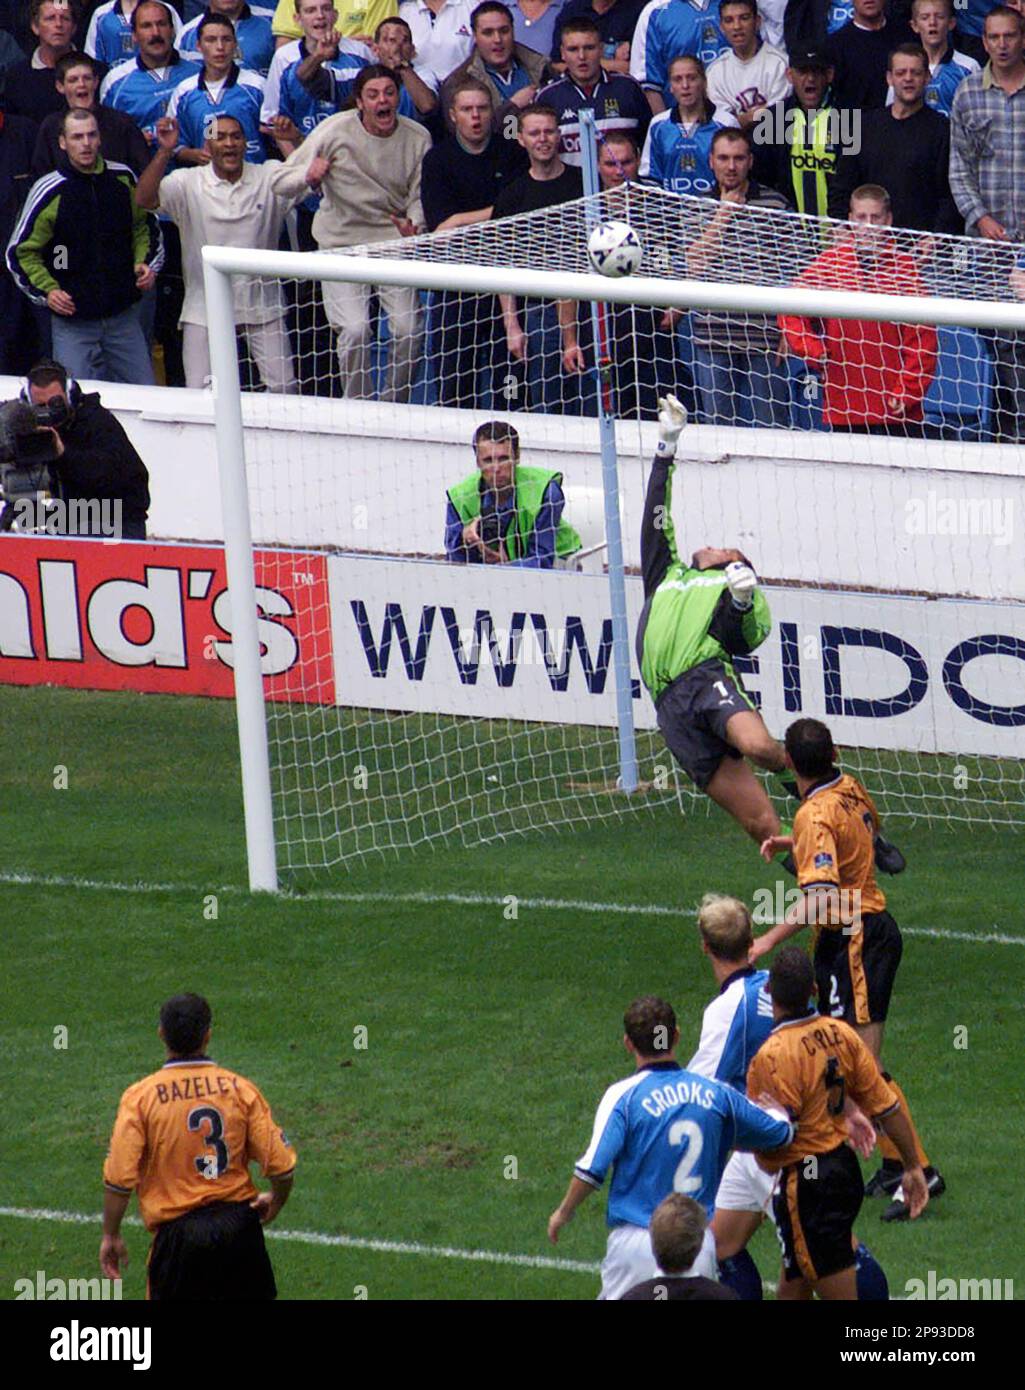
x: 383, y: 1247
x: 990, y: 938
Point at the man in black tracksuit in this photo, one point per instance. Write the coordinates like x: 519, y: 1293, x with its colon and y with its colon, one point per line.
x: 83, y: 248
x: 96, y: 460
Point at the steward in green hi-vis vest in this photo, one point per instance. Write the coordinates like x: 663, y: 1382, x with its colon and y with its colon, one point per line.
x: 529, y: 486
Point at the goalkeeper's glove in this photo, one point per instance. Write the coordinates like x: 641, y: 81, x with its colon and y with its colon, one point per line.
x: 742, y: 582
x: 671, y: 419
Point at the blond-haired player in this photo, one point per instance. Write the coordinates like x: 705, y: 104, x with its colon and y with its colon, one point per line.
x: 735, y: 1025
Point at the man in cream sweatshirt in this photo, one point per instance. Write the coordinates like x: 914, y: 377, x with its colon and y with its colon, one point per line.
x: 366, y: 165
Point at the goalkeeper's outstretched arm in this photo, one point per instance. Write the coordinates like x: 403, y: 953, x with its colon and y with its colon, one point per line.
x: 658, y: 539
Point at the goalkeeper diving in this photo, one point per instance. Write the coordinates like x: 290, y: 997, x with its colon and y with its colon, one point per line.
x: 696, y: 618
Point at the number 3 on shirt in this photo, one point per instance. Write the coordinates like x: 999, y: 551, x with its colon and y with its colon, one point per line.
x: 214, y: 1164
x: 689, y: 1134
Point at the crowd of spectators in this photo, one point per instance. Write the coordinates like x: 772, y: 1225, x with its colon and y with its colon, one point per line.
x: 133, y: 132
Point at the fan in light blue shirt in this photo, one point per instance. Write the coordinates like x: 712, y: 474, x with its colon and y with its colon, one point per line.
x: 110, y: 37
x: 254, y: 41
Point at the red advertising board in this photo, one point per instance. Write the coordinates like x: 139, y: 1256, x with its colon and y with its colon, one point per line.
x: 157, y: 618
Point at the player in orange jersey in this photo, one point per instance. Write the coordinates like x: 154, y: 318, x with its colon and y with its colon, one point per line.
x: 858, y: 944
x: 813, y: 1066
x: 183, y: 1139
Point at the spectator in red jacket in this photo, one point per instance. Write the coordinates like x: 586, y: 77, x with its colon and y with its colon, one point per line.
x: 875, y: 375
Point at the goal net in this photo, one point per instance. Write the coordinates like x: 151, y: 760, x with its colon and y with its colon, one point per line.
x: 868, y: 465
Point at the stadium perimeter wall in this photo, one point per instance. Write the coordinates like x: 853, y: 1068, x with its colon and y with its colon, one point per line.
x: 808, y: 508
x: 888, y: 670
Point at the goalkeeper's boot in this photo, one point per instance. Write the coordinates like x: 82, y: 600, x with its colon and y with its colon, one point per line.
x: 889, y: 859
x: 898, y: 1208
x: 886, y: 1180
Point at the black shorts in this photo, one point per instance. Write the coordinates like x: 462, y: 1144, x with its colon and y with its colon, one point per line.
x: 815, y: 1206
x: 692, y: 715
x: 213, y: 1254
x: 855, y: 972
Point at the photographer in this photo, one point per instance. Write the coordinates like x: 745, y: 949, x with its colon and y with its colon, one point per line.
x: 506, y: 512
x: 95, y: 475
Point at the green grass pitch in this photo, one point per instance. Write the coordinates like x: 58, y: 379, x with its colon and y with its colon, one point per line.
x: 489, y: 1037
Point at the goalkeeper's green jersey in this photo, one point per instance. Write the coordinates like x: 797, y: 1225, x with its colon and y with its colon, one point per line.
x: 689, y: 615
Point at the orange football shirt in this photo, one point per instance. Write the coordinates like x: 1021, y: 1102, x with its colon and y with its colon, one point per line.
x: 185, y: 1136
x: 809, y: 1065
x: 834, y: 829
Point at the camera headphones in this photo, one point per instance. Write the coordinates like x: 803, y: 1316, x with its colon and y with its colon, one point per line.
x: 72, y: 390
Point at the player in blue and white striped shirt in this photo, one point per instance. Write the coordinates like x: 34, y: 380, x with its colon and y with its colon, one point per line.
x: 735, y: 1024
x: 661, y: 1130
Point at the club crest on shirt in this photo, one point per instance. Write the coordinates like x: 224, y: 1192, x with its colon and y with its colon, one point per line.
x: 823, y: 861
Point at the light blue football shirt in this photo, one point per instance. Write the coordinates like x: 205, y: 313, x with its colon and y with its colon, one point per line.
x: 665, y: 1130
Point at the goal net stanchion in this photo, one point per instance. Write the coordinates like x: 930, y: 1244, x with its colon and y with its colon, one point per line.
x: 628, y: 776
x: 442, y: 776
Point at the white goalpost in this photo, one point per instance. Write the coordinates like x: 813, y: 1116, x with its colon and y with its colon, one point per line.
x: 389, y: 699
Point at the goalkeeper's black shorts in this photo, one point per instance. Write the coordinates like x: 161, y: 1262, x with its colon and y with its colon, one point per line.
x: 213, y: 1254
x: 692, y: 715
x: 855, y: 971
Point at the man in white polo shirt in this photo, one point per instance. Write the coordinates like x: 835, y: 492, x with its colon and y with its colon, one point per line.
x: 442, y: 32
x: 228, y: 202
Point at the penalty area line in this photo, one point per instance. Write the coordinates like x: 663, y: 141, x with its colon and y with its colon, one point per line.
x: 381, y: 1247
x: 28, y: 880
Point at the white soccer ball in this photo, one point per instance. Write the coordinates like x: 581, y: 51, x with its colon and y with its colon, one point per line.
x: 614, y: 249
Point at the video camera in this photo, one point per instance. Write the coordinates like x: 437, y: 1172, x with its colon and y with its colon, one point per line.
x: 490, y: 529
x: 27, y: 449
